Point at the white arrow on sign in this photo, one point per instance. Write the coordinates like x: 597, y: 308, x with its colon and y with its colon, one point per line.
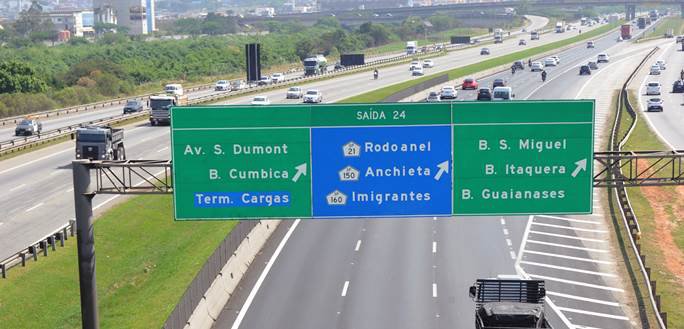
x: 301, y: 170
x: 443, y: 168
x: 581, y: 165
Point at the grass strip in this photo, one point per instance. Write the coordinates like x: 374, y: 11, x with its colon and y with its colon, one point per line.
x: 382, y: 93
x: 145, y: 261
x: 676, y: 24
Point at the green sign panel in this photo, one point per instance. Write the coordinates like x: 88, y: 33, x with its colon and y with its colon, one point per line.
x: 382, y: 160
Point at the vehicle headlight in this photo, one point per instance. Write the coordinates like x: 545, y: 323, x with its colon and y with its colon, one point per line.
x: 78, y: 155
x: 103, y: 156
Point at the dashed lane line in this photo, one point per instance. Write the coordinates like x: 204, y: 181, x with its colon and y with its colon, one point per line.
x: 344, y: 288
x: 17, y: 187
x: 358, y: 245
x: 34, y: 207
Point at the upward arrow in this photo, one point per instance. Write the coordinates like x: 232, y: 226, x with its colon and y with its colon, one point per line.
x: 581, y: 165
x: 301, y: 170
x: 443, y: 168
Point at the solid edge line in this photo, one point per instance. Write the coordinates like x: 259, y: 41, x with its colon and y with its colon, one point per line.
x: 262, y: 277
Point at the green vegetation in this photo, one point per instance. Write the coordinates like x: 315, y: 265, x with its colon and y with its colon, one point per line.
x: 438, y: 37
x: 145, y: 260
x: 659, y: 210
x: 382, y: 93
x: 676, y: 24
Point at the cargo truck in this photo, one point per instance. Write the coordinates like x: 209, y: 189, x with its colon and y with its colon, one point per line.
x: 560, y: 27
x: 315, y: 65
x: 498, y: 36
x: 160, y: 107
x: 411, y: 47
x: 626, y: 31
x: 534, y: 35
x: 509, y: 303
x: 641, y: 23
x: 100, y: 143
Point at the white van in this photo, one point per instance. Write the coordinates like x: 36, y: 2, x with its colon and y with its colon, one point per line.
x: 502, y: 94
x: 174, y: 89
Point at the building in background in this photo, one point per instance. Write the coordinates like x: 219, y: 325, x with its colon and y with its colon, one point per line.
x: 75, y: 22
x: 136, y: 15
x: 326, y: 5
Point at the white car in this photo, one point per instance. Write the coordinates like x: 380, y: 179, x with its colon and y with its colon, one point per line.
x: 238, y: 85
x: 661, y: 63
x: 448, y: 92
x: 428, y: 63
x: 537, y: 66
x: 502, y: 94
x: 432, y: 97
x: 654, y: 105
x: 261, y: 100
x: 417, y: 71
x: 222, y: 85
x: 653, y: 88
x: 602, y: 58
x: 294, y: 93
x: 415, y: 64
x: 590, y: 44
x: 277, y: 77
x: 550, y: 62
x: 557, y: 59
x: 313, y: 96
x: 655, y: 69
x: 265, y: 80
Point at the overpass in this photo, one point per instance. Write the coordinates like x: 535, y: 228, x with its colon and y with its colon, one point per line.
x: 356, y: 14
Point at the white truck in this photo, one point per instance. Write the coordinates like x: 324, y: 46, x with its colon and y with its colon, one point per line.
x: 560, y: 27
x: 160, y: 106
x: 534, y: 35
x: 498, y: 35
x: 411, y: 47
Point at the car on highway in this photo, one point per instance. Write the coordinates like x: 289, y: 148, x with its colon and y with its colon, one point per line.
x: 133, y: 106
x: 550, y: 61
x: 678, y: 86
x: 264, y: 81
x: 678, y: 39
x: 653, y: 88
x: 432, y: 97
x: 519, y: 65
x: 654, y: 105
x: 556, y: 58
x: 522, y: 42
x: 655, y: 69
x: 502, y: 94
x: 484, y: 94
x: 174, y: 89
x: 661, y: 63
x: 593, y: 65
x: 313, y: 96
x: 222, y: 85
x: 447, y: 92
x: 28, y: 127
x: 339, y: 66
x: 294, y: 93
x: 415, y: 64
x: 277, y: 77
x: 485, y: 51
x: 585, y: 70
x: 498, y: 82
x: 590, y: 44
x: 537, y: 66
x: 469, y: 83
x: 238, y: 85
x: 417, y: 71
x: 260, y: 100
x: 428, y: 63
x: 602, y: 58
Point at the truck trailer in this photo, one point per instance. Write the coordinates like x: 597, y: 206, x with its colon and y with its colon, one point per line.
x: 315, y: 65
x: 411, y: 47
x: 626, y: 31
x: 509, y: 303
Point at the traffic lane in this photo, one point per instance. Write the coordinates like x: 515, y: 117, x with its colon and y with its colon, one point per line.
x: 668, y: 122
x: 43, y: 205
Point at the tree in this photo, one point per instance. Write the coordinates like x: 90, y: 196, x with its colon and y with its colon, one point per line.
x: 442, y: 22
x: 304, y: 48
x: 329, y: 22
x: 16, y: 77
x: 103, y: 28
x: 32, y: 23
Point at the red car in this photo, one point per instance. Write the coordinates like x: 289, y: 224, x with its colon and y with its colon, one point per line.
x: 469, y: 84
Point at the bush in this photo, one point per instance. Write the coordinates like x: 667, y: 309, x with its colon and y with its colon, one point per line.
x: 19, y: 104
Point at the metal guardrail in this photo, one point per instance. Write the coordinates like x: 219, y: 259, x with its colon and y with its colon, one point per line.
x: 629, y: 217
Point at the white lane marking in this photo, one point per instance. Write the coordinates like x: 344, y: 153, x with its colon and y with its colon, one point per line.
x: 523, y: 243
x: 569, y: 257
x: 434, y: 290
x: 503, y: 221
x: 162, y: 149
x: 603, y: 315
x: 513, y: 257
x: 577, y: 283
x: 434, y: 218
x: 569, y: 237
x: 505, y: 231
x: 548, y: 300
x: 262, y: 277
x: 17, y: 187
x: 571, y: 228
x: 509, y: 242
x: 434, y: 247
x: 571, y: 220
x: 358, y: 245
x: 71, y: 189
x: 34, y: 161
x: 566, y: 246
x: 34, y: 207
x: 584, y: 299
x: 344, y: 289
x: 54, y: 172
x: 569, y: 269
x: 604, y: 69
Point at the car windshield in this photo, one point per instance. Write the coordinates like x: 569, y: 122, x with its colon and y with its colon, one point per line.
x: 89, y: 137
x: 503, y: 94
x: 259, y: 99
x: 222, y: 82
x: 310, y: 63
x: 25, y: 122
x: 131, y: 103
x: 468, y: 80
x: 294, y: 89
x: 653, y: 84
x: 311, y: 92
x: 655, y: 100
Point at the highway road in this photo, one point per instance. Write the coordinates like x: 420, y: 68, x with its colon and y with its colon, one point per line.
x: 414, y: 273
x: 403, y: 273
x: 667, y: 124
x: 7, y: 133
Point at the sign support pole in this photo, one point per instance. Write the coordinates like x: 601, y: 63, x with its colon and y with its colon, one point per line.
x: 83, y: 200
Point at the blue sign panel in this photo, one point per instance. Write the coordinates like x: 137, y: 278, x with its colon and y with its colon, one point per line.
x: 381, y: 171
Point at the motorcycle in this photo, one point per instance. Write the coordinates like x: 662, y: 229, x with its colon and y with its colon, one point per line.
x: 543, y: 76
x: 375, y: 75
